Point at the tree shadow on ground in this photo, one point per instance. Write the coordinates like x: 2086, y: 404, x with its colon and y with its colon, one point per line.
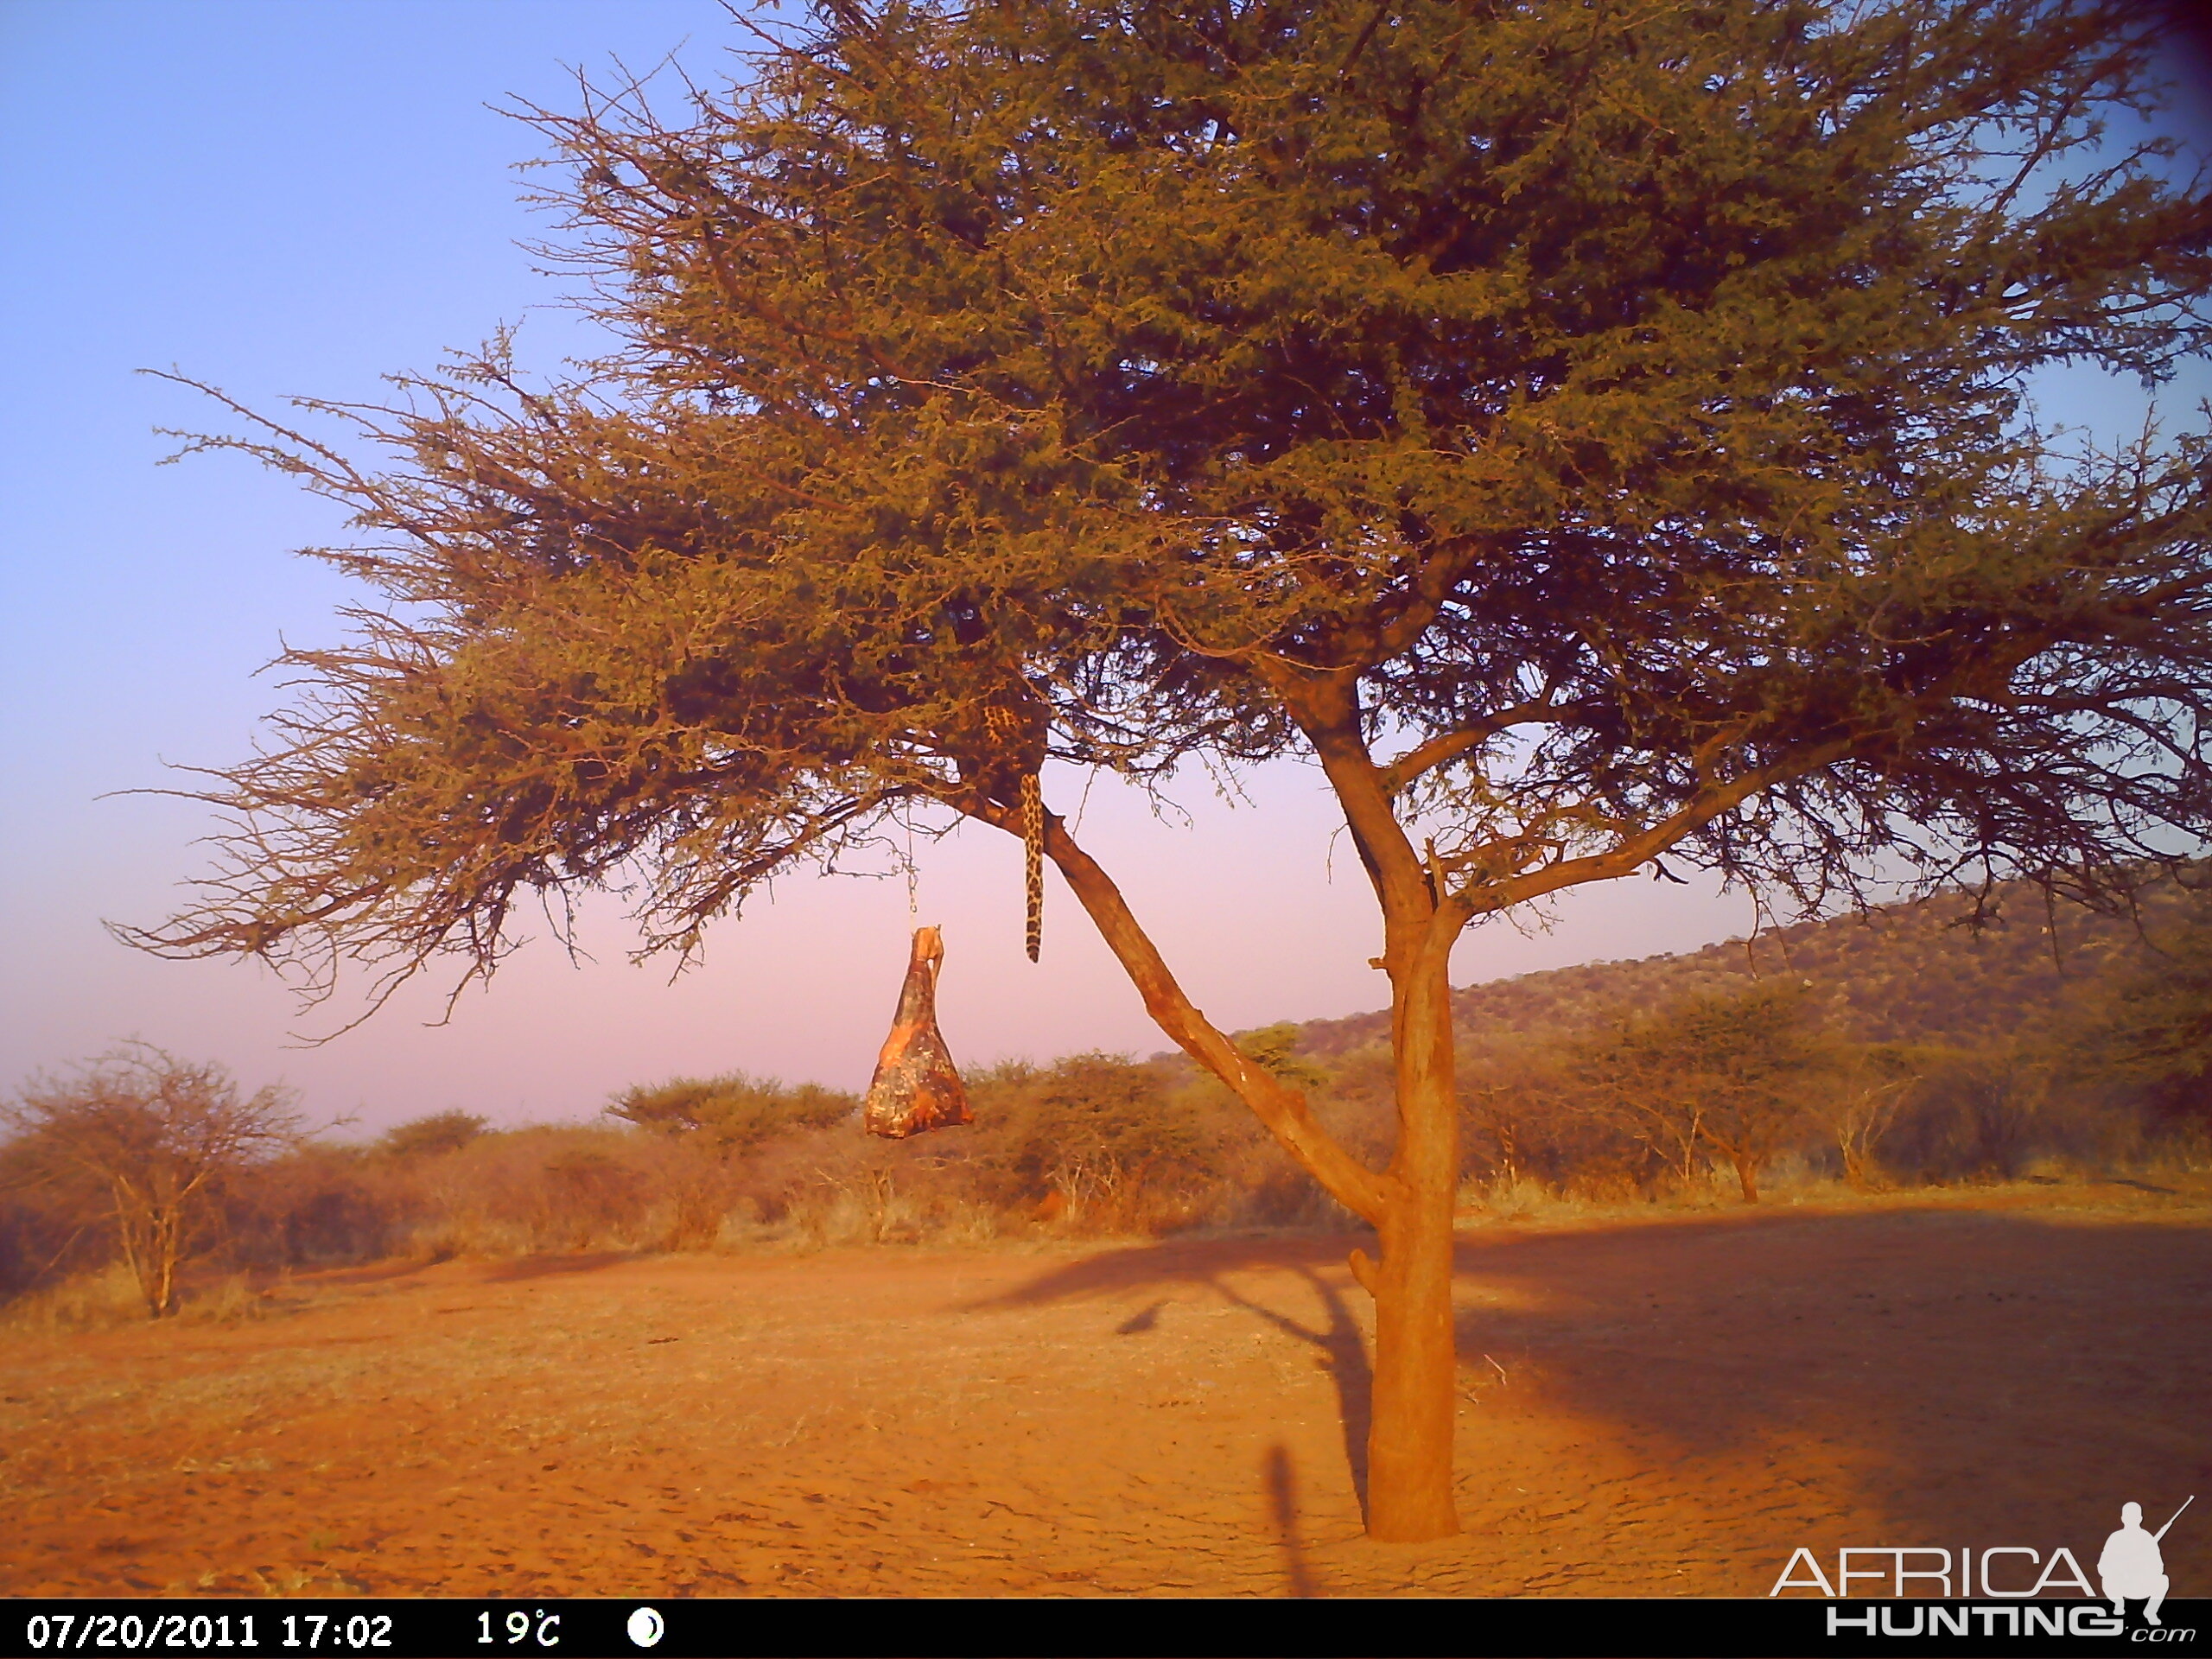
x: 1982, y: 1374
x: 1279, y: 1470
x: 1335, y: 1341
x: 1343, y: 1354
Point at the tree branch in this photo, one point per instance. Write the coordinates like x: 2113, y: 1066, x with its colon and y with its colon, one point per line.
x: 1647, y: 844
x: 1450, y: 745
x: 1281, y: 1107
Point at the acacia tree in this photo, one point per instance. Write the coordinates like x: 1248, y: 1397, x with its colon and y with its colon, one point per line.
x: 1593, y: 434
x: 1718, y: 1073
x: 149, y: 1140
x: 2154, y: 1031
x: 717, y: 1120
x: 1863, y: 1091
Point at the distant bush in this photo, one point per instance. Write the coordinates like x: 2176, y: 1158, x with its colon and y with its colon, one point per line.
x: 710, y: 1124
x: 1584, y: 1099
x: 144, y: 1147
x: 1978, y: 1113
x: 1858, y: 1097
x: 591, y: 1194
x: 733, y: 1112
x: 1718, y: 1075
x: 426, y: 1137
x: 1102, y: 1140
x: 547, y: 1187
x: 49, y: 1232
x: 1276, y: 1049
x: 2149, y: 1032
x: 320, y: 1206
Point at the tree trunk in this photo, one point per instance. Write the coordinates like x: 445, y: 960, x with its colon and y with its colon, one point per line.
x: 167, y: 1247
x: 1412, y: 1401
x: 1409, y: 1427
x: 1747, y: 1176
x: 1414, y: 1397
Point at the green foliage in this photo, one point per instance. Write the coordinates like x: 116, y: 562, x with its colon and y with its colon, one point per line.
x: 427, y: 1137
x: 732, y: 1113
x: 1597, y: 435
x: 1616, y: 413
x: 1097, y: 1136
x: 1747, y: 1045
x: 1276, y: 1049
x: 1717, y: 1072
x: 2155, y: 1029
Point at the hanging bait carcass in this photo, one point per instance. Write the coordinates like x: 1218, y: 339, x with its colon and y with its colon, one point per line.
x: 916, y: 1086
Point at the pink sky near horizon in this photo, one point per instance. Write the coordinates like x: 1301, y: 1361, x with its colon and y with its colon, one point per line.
x: 303, y: 198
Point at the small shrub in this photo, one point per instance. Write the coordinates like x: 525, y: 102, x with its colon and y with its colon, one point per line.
x: 592, y: 1197
x: 98, y: 1300
x: 231, y: 1299
x: 431, y: 1136
x: 733, y: 1112
x: 707, y: 1128
x: 1099, y: 1141
x: 547, y: 1187
x: 318, y: 1206
x: 145, y: 1146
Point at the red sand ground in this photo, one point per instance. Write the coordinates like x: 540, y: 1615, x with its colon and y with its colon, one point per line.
x: 1668, y: 1406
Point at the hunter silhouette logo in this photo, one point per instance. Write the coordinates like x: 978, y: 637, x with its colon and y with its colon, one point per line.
x: 2131, y: 1565
x: 2130, y: 1569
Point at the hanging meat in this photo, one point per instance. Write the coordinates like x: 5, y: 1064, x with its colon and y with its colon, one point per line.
x: 916, y: 1087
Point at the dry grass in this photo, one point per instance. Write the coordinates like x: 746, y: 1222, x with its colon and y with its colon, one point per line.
x: 1677, y: 1387
x: 107, y: 1299
x: 507, y: 1196
x: 2182, y: 1184
x: 98, y: 1300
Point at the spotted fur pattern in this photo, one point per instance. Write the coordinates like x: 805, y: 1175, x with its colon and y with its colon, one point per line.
x: 1005, y: 726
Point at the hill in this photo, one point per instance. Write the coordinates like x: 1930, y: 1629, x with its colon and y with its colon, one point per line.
x: 1916, y: 972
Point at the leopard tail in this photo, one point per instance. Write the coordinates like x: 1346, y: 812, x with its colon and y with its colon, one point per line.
x: 1033, y: 850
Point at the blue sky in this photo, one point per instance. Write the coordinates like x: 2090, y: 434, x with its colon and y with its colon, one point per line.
x: 281, y: 199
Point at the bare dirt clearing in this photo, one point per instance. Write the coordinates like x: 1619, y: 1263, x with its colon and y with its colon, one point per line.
x: 1663, y: 1407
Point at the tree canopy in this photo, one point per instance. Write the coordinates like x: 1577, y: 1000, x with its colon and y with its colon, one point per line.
x: 1617, y: 414
x: 1595, y: 434
x: 1718, y: 1073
